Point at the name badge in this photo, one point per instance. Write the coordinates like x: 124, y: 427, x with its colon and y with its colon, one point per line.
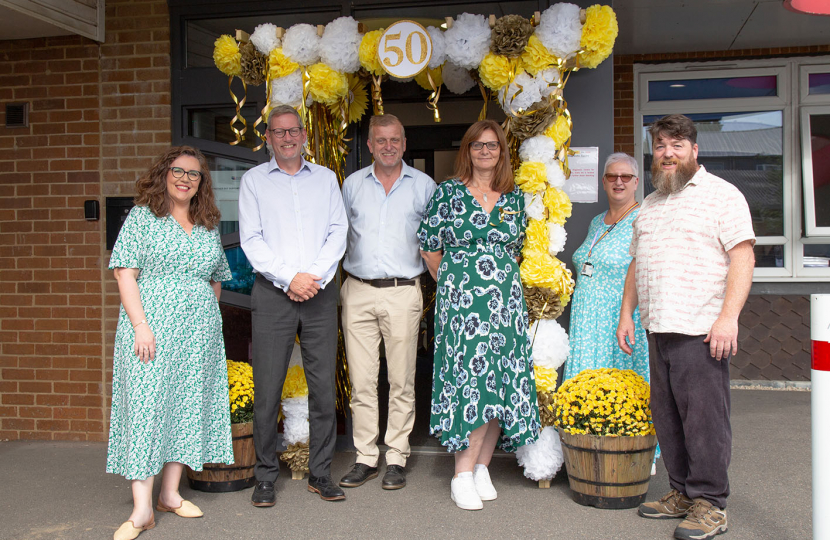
x: 587, y: 269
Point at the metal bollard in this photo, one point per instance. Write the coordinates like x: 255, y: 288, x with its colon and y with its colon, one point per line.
x: 820, y: 409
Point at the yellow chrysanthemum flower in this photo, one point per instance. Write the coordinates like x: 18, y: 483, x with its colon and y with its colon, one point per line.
x: 598, y: 35
x: 532, y: 176
x: 295, y: 383
x: 545, y: 379
x: 326, y: 85
x: 495, y: 71
x: 227, y: 57
x: 437, y: 78
x: 280, y: 65
x: 536, y: 235
x: 536, y: 57
x: 559, y: 131
x: 558, y: 204
x: 368, y: 52
x: 358, y: 99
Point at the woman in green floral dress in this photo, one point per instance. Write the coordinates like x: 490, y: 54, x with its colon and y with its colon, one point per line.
x: 484, y: 391
x: 170, y: 380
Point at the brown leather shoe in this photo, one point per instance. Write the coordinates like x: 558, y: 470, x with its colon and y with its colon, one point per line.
x: 672, y: 505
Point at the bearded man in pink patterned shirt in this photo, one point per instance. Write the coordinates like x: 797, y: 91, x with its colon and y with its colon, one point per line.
x: 691, y: 274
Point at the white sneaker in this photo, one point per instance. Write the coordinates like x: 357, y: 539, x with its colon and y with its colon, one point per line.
x: 463, y: 492
x: 484, y: 486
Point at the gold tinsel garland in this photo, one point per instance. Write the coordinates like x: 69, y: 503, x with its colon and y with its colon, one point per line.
x: 296, y: 457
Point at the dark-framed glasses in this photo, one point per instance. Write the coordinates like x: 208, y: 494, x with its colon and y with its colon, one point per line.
x: 626, y: 178
x: 491, y: 145
x: 193, y: 176
x: 280, y: 133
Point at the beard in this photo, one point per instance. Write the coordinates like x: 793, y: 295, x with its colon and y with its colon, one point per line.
x: 667, y: 182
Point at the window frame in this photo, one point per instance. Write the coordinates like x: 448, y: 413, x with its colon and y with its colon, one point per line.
x: 792, y: 75
x: 811, y: 229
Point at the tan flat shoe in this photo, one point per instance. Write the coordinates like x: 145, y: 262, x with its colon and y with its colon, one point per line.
x: 128, y: 530
x: 186, y: 510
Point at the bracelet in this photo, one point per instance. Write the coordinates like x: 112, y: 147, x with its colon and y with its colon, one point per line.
x: 143, y: 321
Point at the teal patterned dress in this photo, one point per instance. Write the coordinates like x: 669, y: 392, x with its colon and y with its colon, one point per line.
x: 595, y: 311
x: 483, y: 369
x: 174, y: 408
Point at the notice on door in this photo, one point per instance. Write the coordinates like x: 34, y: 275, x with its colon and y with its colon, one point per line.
x: 582, y: 186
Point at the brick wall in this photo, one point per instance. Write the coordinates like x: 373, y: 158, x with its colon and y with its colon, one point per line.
x: 99, y: 113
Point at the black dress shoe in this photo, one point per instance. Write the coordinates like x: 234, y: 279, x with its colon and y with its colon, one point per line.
x: 359, y: 475
x: 325, y: 487
x: 395, y: 477
x: 264, y: 494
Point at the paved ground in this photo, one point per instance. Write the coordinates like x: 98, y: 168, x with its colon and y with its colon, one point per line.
x: 60, y: 491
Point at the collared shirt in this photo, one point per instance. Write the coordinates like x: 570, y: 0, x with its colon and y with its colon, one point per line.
x: 680, y: 245
x: 292, y: 223
x: 383, y: 228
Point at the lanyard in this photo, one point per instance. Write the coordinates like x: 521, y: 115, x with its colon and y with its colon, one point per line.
x: 611, y: 228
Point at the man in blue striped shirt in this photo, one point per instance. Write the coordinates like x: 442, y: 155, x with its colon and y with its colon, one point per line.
x: 381, y: 299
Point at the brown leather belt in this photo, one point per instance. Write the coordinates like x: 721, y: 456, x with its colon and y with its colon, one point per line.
x: 386, y: 282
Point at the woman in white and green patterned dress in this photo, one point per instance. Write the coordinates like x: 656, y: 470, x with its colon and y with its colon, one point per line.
x: 170, y: 380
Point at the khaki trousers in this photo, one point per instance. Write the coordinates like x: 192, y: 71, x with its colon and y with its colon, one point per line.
x: 393, y: 314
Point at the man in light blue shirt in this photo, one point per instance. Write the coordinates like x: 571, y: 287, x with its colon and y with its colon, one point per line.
x: 292, y: 228
x: 382, y: 297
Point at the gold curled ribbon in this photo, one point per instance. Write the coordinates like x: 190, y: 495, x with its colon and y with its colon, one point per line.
x: 263, y: 116
x: 432, y: 100
x: 238, y: 133
x: 485, y: 96
x: 377, y: 98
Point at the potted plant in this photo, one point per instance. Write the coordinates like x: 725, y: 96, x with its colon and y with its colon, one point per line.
x: 604, y: 421
x: 218, y: 477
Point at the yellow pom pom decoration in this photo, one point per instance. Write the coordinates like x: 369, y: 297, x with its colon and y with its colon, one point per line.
x: 326, y: 85
x: 227, y: 57
x: 436, y: 75
x: 532, y: 176
x: 558, y: 204
x: 536, y: 57
x: 295, y: 384
x: 280, y: 65
x: 598, y: 35
x: 536, y: 235
x: 545, y: 379
x: 368, y: 52
x: 358, y: 99
x: 559, y: 131
x: 495, y: 71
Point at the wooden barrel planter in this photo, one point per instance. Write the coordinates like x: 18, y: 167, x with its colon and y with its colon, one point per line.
x: 608, y: 472
x: 220, y: 478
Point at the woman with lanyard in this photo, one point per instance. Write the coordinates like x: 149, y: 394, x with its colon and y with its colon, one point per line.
x: 601, y: 264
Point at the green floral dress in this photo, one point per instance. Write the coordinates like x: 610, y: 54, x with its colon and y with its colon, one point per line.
x: 483, y: 368
x: 173, y: 408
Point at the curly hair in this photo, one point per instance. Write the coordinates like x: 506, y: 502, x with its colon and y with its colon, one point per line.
x: 152, y: 189
x: 503, y: 175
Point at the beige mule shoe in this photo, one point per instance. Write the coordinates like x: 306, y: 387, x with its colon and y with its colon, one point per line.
x: 186, y: 510
x: 128, y: 530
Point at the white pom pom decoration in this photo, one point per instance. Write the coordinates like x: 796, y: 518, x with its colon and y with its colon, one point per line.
x: 538, y: 148
x: 302, y: 44
x: 265, y: 38
x: 457, y: 79
x: 547, y: 80
x: 560, y: 29
x: 534, y: 207
x: 439, y: 47
x: 542, y: 459
x: 295, y: 425
x: 557, y: 237
x: 512, y: 100
x: 556, y: 177
x: 550, y: 343
x: 468, y: 41
x: 340, y: 45
x: 288, y: 90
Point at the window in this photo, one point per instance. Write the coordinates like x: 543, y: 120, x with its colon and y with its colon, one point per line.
x: 749, y: 115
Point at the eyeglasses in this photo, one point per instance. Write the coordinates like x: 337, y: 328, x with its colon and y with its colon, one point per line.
x: 193, y: 176
x: 491, y: 145
x: 280, y: 133
x: 626, y: 178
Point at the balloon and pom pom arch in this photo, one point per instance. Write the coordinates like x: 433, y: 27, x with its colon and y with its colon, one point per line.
x: 331, y: 74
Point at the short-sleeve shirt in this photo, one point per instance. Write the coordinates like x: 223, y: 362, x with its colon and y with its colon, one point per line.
x: 680, y: 245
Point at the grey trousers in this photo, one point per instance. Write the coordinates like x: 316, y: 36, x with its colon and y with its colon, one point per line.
x: 690, y: 405
x: 276, y: 320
